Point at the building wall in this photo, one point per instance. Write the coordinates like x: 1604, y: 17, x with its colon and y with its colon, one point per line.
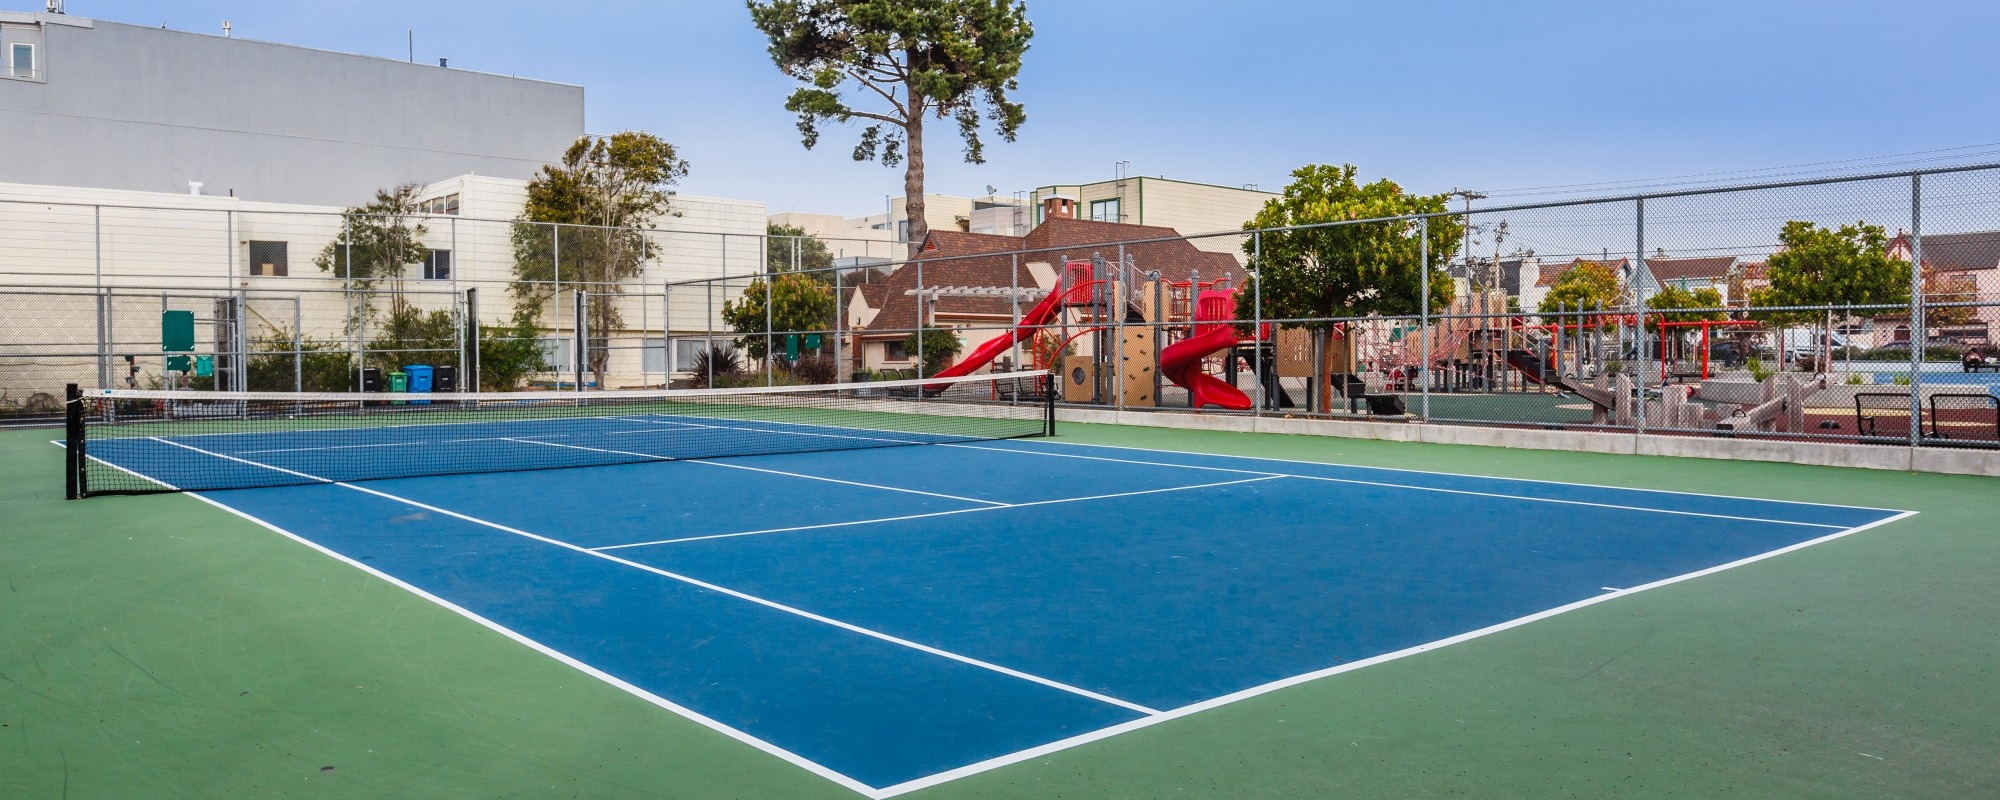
x: 155, y: 250
x: 1191, y: 208
x: 140, y: 108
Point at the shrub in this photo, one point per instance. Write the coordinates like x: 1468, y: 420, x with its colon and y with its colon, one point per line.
x: 1759, y: 371
x: 939, y: 346
x: 815, y: 369
x: 722, y: 362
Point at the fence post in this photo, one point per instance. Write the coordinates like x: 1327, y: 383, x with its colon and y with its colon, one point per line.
x: 1256, y: 325
x: 840, y: 372
x: 1118, y: 332
x: 1424, y: 317
x: 770, y: 283
x: 581, y: 351
x: 469, y: 381
x: 920, y: 323
x: 1639, y: 314
x: 298, y: 344
x: 1919, y: 338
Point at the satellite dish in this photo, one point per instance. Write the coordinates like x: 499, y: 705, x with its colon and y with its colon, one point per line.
x: 989, y: 190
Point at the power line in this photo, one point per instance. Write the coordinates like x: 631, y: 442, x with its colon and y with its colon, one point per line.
x: 1956, y: 153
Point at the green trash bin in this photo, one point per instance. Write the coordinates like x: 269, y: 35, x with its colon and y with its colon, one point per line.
x: 399, y: 381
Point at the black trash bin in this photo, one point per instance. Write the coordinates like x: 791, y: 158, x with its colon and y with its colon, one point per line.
x: 444, y: 378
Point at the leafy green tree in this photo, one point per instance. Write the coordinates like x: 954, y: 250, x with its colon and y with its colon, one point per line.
x: 940, y: 347
x: 376, y: 245
x: 1347, y: 270
x: 789, y: 249
x: 914, y: 60
x: 1816, y: 266
x: 798, y: 304
x: 1587, y: 285
x: 601, y: 199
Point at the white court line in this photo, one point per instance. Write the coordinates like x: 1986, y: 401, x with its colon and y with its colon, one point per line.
x: 936, y: 514
x: 147, y: 478
x: 768, y: 430
x: 760, y: 469
x: 1359, y: 482
x: 1457, y: 475
x: 420, y: 442
x: 1172, y: 714
x: 847, y: 626
x: 697, y: 717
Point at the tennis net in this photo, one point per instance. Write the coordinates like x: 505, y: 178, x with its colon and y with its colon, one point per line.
x: 137, y: 442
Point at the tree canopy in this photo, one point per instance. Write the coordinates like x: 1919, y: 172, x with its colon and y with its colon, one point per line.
x: 583, y: 226
x: 1670, y: 298
x: 1587, y: 285
x: 377, y: 244
x: 1349, y: 270
x: 798, y: 304
x: 790, y: 249
x: 1849, y: 265
x: 912, y: 61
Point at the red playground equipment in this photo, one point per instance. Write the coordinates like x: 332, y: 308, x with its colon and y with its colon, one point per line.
x: 1214, y: 331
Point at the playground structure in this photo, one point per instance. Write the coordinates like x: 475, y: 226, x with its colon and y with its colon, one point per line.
x: 1118, y: 335
x: 1115, y: 334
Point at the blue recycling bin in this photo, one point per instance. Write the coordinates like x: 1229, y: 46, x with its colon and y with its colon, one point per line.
x: 420, y: 380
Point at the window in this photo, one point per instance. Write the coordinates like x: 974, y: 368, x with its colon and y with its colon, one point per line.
x: 556, y: 352
x: 447, y: 204
x: 903, y: 230
x: 269, y: 259
x: 21, y: 60
x: 894, y: 351
x: 1104, y: 210
x: 437, y: 265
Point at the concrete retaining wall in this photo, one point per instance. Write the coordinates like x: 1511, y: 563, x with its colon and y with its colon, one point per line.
x: 1921, y: 459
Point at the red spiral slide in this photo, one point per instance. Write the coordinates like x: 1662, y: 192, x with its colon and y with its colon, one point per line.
x: 1181, y: 361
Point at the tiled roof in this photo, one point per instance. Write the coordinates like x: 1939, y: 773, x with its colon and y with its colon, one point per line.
x: 1954, y: 252
x: 1052, y: 241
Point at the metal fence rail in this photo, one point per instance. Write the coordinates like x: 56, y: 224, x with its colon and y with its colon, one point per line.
x: 514, y: 305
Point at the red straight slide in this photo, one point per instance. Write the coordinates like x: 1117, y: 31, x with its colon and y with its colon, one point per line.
x: 1030, y: 322
x: 1181, y: 361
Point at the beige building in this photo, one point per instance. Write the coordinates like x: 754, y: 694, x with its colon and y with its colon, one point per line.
x: 1185, y: 206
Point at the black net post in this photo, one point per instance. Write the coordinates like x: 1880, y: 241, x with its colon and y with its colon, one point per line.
x: 73, y: 486
x: 1049, y: 403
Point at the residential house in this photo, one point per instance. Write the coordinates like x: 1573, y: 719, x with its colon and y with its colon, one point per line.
x: 1964, y: 267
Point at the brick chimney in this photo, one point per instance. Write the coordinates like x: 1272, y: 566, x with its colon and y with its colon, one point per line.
x: 1058, y: 207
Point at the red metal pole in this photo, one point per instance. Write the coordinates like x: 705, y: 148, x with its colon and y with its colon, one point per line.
x: 1704, y: 349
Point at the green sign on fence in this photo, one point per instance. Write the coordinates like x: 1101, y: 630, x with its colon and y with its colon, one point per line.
x: 177, y: 363
x: 204, y: 366
x: 791, y: 347
x: 812, y: 342
x: 177, y: 332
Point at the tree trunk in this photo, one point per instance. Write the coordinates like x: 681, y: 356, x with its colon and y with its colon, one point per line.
x: 913, y: 174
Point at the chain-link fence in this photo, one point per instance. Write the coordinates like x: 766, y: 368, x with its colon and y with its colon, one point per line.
x: 1674, y: 314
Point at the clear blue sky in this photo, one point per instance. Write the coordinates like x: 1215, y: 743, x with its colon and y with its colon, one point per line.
x: 1494, y: 96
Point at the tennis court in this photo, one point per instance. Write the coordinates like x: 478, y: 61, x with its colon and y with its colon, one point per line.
x: 894, y: 617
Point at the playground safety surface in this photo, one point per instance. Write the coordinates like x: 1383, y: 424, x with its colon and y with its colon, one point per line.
x: 1116, y: 612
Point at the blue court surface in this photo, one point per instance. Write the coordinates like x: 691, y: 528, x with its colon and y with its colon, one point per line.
x: 892, y: 618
